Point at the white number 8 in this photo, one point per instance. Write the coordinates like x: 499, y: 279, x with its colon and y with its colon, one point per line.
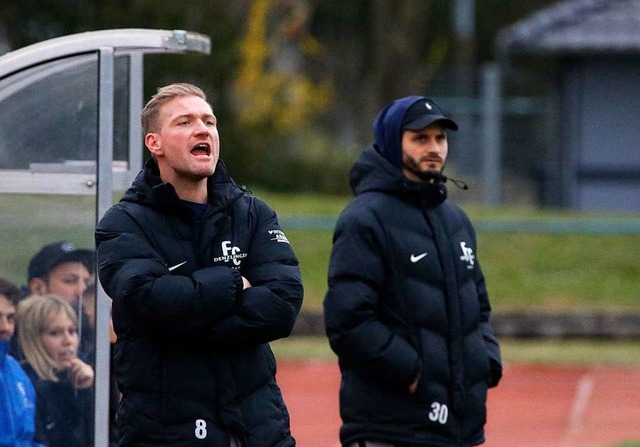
x: 201, y: 428
x: 439, y: 413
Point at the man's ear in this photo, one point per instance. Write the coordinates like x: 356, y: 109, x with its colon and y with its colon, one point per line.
x: 152, y: 141
x: 37, y: 286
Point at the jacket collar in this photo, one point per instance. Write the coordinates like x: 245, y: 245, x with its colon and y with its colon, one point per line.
x: 4, y: 351
x: 149, y: 189
x: 372, y: 172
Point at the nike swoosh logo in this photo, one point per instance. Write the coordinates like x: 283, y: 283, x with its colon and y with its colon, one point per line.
x: 415, y: 258
x: 176, y: 266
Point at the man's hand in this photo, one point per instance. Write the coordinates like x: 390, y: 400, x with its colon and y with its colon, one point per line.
x: 245, y: 283
x: 413, y: 386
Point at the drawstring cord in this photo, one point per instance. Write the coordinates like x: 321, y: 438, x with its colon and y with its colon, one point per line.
x: 459, y: 183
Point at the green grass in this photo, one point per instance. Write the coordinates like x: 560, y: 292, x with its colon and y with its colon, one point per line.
x: 553, y: 271
x: 523, y: 270
x: 570, y: 352
x: 29, y: 221
x: 544, y: 351
x: 313, y: 248
x: 303, y: 204
x: 541, y: 271
x: 303, y: 348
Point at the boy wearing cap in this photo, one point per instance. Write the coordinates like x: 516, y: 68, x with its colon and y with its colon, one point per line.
x: 407, y: 310
x: 61, y: 269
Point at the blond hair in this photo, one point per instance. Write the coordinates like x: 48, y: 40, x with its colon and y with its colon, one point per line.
x: 34, y: 316
x: 151, y: 112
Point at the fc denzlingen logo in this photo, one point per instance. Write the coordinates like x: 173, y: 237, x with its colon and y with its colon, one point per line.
x: 467, y: 255
x: 230, y: 253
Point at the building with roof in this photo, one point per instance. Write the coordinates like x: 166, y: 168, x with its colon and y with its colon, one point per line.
x: 595, y: 46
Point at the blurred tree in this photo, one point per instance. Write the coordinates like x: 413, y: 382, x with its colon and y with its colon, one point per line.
x: 494, y: 15
x: 30, y: 21
x: 378, y: 50
x: 295, y: 83
x: 278, y: 99
x: 272, y: 88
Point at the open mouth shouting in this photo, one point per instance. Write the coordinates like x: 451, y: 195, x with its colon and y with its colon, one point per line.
x: 201, y: 150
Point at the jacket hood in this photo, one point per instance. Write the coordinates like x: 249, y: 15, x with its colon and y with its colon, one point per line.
x: 387, y: 129
x: 149, y: 189
x: 372, y: 172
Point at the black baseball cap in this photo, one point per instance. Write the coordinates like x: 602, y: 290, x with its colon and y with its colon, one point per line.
x: 423, y: 113
x: 57, y: 253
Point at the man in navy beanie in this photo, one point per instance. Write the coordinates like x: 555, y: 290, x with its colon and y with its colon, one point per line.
x: 407, y: 310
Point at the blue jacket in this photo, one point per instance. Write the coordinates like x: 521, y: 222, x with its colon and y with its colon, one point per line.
x: 17, y: 403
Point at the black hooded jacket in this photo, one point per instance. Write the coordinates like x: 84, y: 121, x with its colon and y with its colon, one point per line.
x: 406, y: 300
x: 192, y: 358
x: 64, y: 414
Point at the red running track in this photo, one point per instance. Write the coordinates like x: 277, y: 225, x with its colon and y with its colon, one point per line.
x: 534, y: 406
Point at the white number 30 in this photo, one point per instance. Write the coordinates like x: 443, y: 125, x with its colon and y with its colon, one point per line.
x: 201, y: 428
x: 439, y: 413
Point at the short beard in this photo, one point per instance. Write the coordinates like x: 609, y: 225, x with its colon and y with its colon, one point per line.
x: 430, y: 176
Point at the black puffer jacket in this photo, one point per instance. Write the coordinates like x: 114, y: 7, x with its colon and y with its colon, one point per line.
x: 64, y: 414
x: 407, y: 298
x: 192, y: 359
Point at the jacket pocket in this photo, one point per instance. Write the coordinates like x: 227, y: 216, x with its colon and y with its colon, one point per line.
x: 435, y: 363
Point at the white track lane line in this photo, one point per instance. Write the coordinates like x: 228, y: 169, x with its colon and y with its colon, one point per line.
x: 580, y: 402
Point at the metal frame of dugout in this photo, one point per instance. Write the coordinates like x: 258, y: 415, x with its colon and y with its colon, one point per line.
x: 102, y: 176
